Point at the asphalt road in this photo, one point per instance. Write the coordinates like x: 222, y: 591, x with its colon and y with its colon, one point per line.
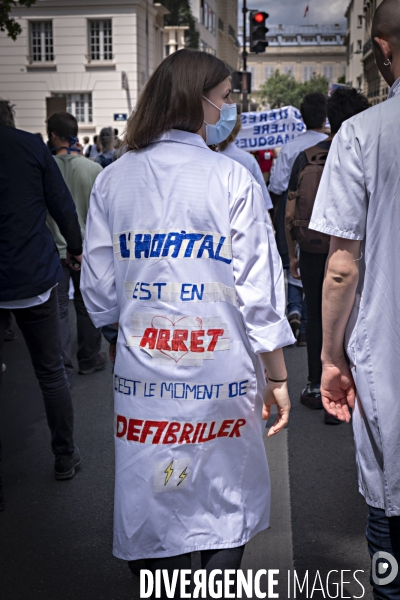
x: 55, y: 537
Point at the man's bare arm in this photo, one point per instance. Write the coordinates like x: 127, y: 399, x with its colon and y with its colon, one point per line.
x: 341, y: 278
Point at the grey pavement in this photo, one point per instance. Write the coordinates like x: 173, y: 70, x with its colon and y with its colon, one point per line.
x: 55, y: 537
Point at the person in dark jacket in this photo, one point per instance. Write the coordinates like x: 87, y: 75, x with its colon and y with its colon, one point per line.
x: 30, y: 185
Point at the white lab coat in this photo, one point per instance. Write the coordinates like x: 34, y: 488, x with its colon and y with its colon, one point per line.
x: 359, y: 199
x: 179, y: 250
x: 247, y: 160
x: 280, y: 174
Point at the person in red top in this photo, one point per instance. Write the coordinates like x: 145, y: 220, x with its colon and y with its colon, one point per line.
x: 265, y: 159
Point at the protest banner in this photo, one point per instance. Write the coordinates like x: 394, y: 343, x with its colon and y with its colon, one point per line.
x: 269, y: 128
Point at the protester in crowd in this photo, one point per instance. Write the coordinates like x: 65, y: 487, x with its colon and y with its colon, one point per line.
x: 170, y: 211
x: 229, y: 148
x: 265, y: 159
x: 93, y: 150
x: 31, y: 185
x: 314, y: 247
x: 358, y: 206
x: 86, y: 144
x: 79, y: 174
x: 108, y: 152
x: 313, y: 112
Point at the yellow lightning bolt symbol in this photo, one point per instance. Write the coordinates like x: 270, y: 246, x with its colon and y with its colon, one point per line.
x: 182, y: 476
x: 169, y: 470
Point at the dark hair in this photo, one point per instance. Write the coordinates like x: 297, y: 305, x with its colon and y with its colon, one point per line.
x: 172, y: 96
x: 63, y: 124
x: 313, y: 110
x: 7, y: 113
x: 343, y: 104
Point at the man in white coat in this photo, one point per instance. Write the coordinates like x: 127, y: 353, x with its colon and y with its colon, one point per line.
x: 358, y: 204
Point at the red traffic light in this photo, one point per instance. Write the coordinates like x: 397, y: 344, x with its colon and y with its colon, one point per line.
x: 259, y: 17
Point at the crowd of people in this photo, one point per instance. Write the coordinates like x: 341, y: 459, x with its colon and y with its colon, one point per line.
x: 176, y: 250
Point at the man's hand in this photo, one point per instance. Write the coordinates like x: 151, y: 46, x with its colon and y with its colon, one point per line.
x: 276, y: 393
x: 74, y: 262
x: 338, y: 390
x: 294, y: 268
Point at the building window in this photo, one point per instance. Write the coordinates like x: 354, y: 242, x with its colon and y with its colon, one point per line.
x: 220, y: 24
x: 328, y: 38
x: 79, y: 105
x: 41, y: 41
x: 360, y: 21
x: 359, y: 45
x: 269, y: 71
x: 328, y: 72
x: 288, y: 70
x: 208, y: 17
x: 308, y: 72
x: 100, y: 40
x: 289, y: 40
x: 309, y: 39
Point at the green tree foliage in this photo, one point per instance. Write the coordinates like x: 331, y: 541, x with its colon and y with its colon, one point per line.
x: 8, y: 23
x: 181, y: 14
x: 283, y: 90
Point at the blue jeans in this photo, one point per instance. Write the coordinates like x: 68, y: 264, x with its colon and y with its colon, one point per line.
x: 383, y: 534
x: 296, y: 304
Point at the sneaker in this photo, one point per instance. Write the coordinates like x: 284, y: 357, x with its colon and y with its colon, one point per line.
x: 331, y: 420
x: 1, y: 499
x: 99, y: 366
x: 294, y: 322
x: 301, y: 339
x: 9, y: 335
x: 65, y: 465
x: 311, y: 397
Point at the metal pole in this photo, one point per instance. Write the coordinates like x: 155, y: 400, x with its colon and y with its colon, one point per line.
x: 245, y: 103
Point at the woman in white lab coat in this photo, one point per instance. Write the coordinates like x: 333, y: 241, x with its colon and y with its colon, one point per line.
x: 179, y: 252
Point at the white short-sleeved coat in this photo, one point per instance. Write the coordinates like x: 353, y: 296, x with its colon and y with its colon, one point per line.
x: 180, y: 252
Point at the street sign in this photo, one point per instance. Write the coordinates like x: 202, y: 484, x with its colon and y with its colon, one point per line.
x: 120, y: 117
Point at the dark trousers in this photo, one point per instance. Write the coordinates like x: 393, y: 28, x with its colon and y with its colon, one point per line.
x: 89, y: 337
x: 383, y: 534
x: 312, y: 270
x: 40, y: 326
x: 228, y: 558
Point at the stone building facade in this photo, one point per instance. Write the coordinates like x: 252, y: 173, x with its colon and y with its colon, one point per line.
x: 303, y: 51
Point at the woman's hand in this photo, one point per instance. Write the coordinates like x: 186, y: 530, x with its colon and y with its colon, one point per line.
x: 276, y: 393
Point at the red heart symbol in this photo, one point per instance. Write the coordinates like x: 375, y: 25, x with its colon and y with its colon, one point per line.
x: 173, y: 323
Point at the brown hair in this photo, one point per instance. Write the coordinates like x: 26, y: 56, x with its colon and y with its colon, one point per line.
x: 63, y: 124
x: 172, y: 96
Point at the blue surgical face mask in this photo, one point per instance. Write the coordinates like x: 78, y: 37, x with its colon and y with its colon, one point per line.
x: 215, y: 134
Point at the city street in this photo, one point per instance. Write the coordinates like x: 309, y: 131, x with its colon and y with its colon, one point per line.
x: 55, y: 537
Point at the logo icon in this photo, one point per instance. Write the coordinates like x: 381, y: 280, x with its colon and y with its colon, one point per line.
x: 381, y: 574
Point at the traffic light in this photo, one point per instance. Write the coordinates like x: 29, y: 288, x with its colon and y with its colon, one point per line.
x: 258, y: 30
